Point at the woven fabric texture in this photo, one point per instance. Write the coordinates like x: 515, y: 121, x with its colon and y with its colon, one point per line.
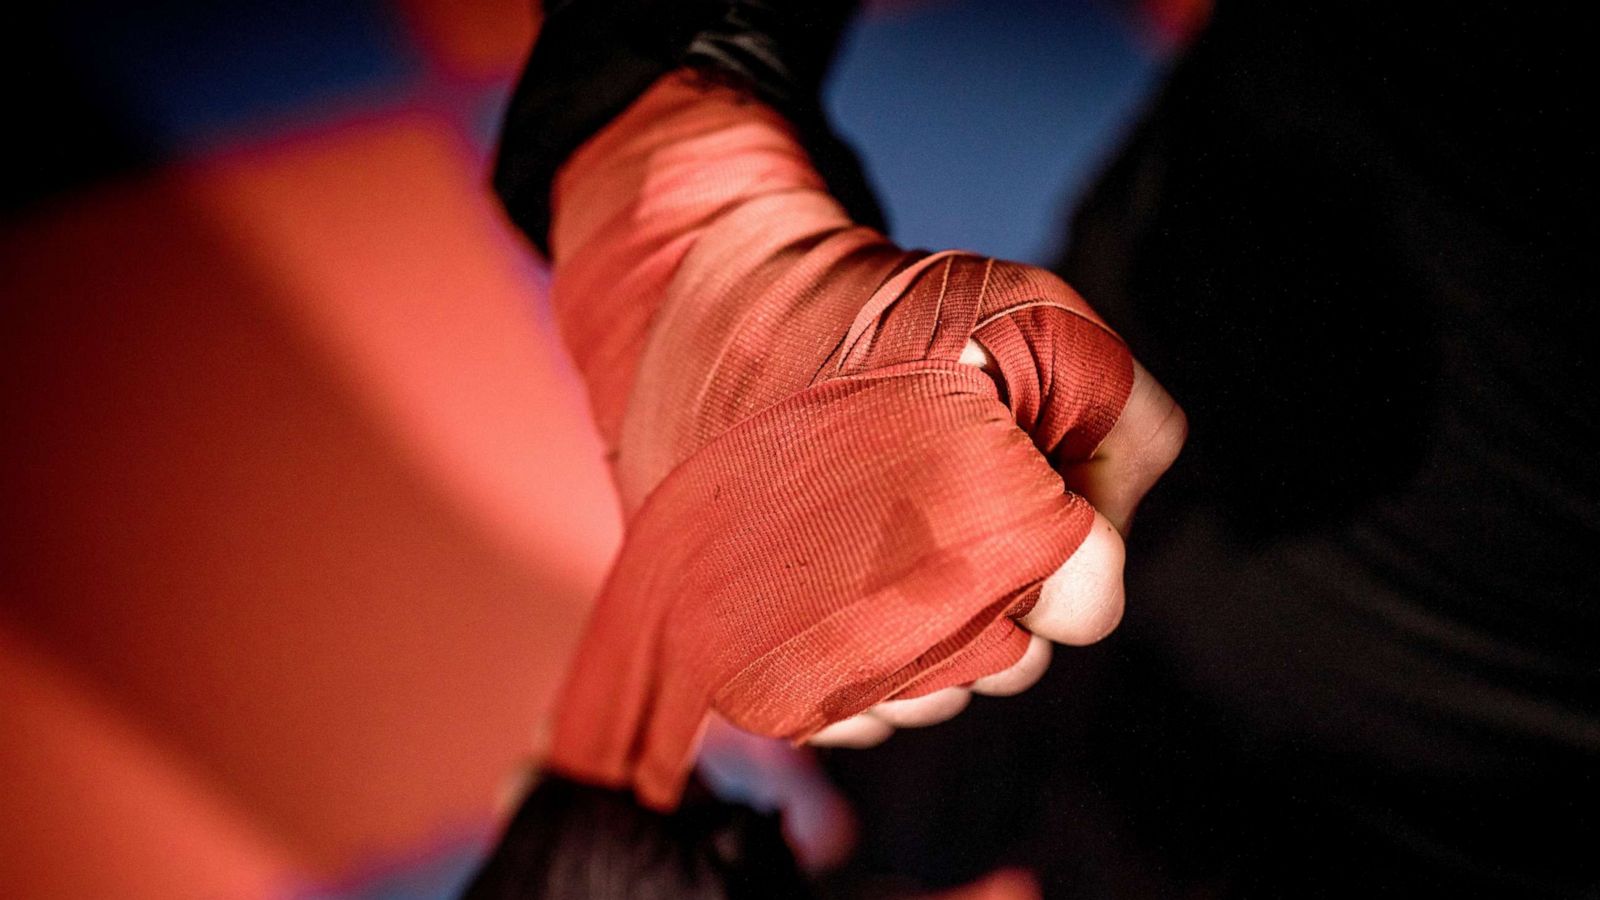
x: 824, y: 508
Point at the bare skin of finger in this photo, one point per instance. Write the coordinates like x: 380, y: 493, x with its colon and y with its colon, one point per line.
x: 1022, y: 674
x: 1082, y: 602
x: 1139, y: 449
x: 858, y: 731
x: 917, y: 712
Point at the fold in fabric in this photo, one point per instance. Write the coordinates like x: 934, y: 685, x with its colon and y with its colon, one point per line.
x: 824, y: 508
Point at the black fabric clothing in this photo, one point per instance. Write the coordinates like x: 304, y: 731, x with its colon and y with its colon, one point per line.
x: 593, y: 58
x: 571, y: 841
x: 1362, y: 647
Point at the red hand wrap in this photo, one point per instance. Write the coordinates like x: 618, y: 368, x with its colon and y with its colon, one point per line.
x: 824, y: 508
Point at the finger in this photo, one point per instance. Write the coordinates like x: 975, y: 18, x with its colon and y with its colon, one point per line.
x: 917, y: 712
x: 1023, y: 674
x: 1140, y: 447
x: 1082, y: 602
x: 857, y: 731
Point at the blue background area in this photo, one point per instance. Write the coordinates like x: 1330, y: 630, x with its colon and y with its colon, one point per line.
x: 980, y: 122
x: 190, y: 76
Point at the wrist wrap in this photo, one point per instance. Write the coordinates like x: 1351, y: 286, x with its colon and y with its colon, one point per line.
x: 824, y: 508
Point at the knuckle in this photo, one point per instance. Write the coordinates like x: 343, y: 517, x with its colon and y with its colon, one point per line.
x: 1170, y: 436
x: 1089, y: 622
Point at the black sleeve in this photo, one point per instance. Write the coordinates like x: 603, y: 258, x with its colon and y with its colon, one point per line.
x: 570, y: 841
x: 595, y: 57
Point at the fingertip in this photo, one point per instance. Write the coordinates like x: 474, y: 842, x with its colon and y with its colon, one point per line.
x: 857, y: 732
x: 1022, y: 674
x: 1159, y: 426
x: 919, y: 712
x: 1083, y: 600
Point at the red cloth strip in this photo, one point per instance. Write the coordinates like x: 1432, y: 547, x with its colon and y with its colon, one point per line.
x: 824, y: 508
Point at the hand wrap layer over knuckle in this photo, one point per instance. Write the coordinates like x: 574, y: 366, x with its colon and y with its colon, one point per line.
x: 825, y: 509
